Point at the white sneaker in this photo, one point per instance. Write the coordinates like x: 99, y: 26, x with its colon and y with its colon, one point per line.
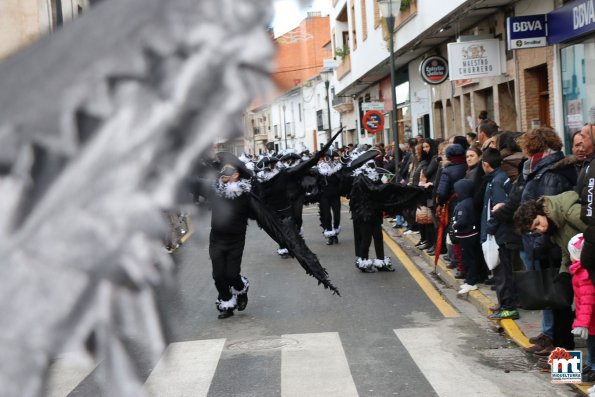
x: 411, y: 232
x: 466, y: 288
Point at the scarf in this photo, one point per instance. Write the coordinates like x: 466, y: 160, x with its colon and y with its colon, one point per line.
x: 232, y: 190
x: 531, y: 164
x: 264, y: 176
x: 369, y: 173
x: 328, y: 169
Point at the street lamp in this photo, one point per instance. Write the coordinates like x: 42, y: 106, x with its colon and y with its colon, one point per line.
x: 284, y: 127
x: 327, y: 73
x: 388, y: 10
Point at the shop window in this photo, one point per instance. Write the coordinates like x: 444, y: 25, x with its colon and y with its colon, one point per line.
x: 578, y: 86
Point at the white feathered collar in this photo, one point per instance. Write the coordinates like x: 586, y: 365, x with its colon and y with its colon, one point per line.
x: 264, y: 176
x: 232, y: 190
x: 329, y: 168
x: 369, y: 173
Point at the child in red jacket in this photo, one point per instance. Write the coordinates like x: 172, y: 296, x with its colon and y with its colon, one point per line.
x: 584, y: 301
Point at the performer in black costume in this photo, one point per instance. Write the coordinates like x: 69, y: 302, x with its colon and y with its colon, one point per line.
x: 368, y: 198
x: 232, y: 204
x: 329, y: 169
x: 295, y: 190
x: 273, y: 182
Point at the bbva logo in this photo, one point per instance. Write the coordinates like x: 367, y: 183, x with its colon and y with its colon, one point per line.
x: 527, y: 26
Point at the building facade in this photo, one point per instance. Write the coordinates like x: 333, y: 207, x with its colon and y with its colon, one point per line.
x: 549, y: 85
x: 24, y: 21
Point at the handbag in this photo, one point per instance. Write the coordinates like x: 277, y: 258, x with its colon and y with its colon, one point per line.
x: 543, y: 289
x: 490, y: 247
x: 423, y: 215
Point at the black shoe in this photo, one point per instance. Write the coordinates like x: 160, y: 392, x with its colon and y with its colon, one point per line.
x: 330, y: 241
x: 335, y: 239
x: 225, y: 314
x: 420, y: 242
x: 242, y: 301
x: 459, y: 275
x: 431, y: 251
x: 489, y: 281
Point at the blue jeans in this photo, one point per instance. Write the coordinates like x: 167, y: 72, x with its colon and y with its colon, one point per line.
x: 529, y: 265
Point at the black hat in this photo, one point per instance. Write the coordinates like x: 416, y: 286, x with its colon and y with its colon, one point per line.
x: 291, y: 156
x: 227, y: 158
x: 364, y: 158
x: 266, y: 160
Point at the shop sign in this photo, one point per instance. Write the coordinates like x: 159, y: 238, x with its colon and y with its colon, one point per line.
x: 372, y: 106
x: 527, y: 31
x: 434, y: 69
x: 473, y: 59
x: 573, y: 20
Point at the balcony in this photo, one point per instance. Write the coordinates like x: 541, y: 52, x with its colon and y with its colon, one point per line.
x: 343, y: 104
x: 344, y: 67
x: 261, y: 137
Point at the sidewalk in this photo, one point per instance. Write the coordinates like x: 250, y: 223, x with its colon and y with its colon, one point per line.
x: 519, y: 331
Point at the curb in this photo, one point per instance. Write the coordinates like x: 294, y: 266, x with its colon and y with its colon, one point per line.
x: 481, y: 301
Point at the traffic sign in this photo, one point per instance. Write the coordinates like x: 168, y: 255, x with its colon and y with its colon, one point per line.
x: 373, y: 121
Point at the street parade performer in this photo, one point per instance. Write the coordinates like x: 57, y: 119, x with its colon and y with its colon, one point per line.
x: 232, y: 203
x: 368, y: 198
x: 329, y: 207
x: 273, y: 184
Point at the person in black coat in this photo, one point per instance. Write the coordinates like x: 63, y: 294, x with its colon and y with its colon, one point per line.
x: 466, y: 230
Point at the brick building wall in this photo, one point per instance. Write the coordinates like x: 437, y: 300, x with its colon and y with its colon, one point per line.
x: 535, y: 65
x: 301, y: 51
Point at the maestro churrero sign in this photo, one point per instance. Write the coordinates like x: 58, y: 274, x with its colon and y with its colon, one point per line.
x: 434, y: 69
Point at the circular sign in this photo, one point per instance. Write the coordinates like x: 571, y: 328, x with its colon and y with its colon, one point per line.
x: 373, y: 121
x: 434, y: 69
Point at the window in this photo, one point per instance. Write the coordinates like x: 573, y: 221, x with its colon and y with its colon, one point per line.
x: 364, y: 20
x: 57, y: 16
x: 300, y: 112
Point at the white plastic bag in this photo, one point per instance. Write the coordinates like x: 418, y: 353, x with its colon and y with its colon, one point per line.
x: 490, y: 252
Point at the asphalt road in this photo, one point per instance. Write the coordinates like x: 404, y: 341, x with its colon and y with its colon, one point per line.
x: 382, y: 337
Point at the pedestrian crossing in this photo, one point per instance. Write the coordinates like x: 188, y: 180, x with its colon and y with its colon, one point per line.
x: 314, y: 365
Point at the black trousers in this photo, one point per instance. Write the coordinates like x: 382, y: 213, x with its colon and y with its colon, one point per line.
x: 503, y: 280
x: 226, y: 258
x: 364, y: 232
x: 330, y: 212
x: 472, y: 254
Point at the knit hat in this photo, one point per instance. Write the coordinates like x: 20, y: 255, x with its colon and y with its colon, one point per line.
x: 454, y: 150
x: 575, y: 246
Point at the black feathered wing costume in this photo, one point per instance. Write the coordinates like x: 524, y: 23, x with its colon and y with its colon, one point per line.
x: 284, y: 232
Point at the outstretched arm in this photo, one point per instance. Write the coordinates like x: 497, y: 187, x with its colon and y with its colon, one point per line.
x: 306, y: 165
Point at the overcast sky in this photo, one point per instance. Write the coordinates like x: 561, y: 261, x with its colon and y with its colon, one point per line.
x: 289, y: 13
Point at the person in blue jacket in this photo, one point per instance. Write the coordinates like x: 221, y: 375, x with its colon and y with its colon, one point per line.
x: 498, y: 185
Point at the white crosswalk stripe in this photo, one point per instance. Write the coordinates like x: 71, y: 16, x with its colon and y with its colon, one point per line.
x: 186, y: 369
x: 67, y: 372
x: 316, y: 366
x: 446, y: 372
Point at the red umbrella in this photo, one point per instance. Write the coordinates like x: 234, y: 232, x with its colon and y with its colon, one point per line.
x: 442, y: 225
